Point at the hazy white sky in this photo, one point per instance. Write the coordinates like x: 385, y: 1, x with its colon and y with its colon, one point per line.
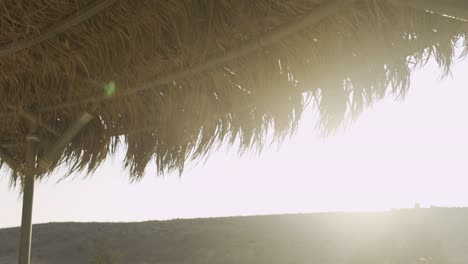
x: 395, y: 155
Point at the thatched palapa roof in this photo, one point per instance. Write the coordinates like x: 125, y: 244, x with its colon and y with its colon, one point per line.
x: 169, y: 80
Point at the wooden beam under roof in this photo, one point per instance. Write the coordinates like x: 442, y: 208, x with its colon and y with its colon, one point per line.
x: 452, y: 8
x: 53, y: 153
x: 30, y: 117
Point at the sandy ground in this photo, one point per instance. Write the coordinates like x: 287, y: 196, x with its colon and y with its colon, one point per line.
x: 438, y: 236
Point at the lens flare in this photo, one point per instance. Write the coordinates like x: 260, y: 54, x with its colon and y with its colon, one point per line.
x: 110, y: 88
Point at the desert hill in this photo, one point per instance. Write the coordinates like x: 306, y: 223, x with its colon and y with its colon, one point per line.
x: 436, y: 235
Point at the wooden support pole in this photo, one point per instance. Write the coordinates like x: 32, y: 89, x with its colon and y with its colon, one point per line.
x: 453, y: 8
x: 33, y: 167
x: 28, y: 195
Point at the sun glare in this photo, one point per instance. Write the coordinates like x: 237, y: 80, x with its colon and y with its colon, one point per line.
x: 397, y: 154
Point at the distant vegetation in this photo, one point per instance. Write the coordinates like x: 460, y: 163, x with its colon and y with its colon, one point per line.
x: 105, y: 252
x: 413, y: 236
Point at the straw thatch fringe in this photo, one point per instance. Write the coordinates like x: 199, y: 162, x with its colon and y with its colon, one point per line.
x: 10, y: 161
x: 325, y: 10
x: 344, y: 62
